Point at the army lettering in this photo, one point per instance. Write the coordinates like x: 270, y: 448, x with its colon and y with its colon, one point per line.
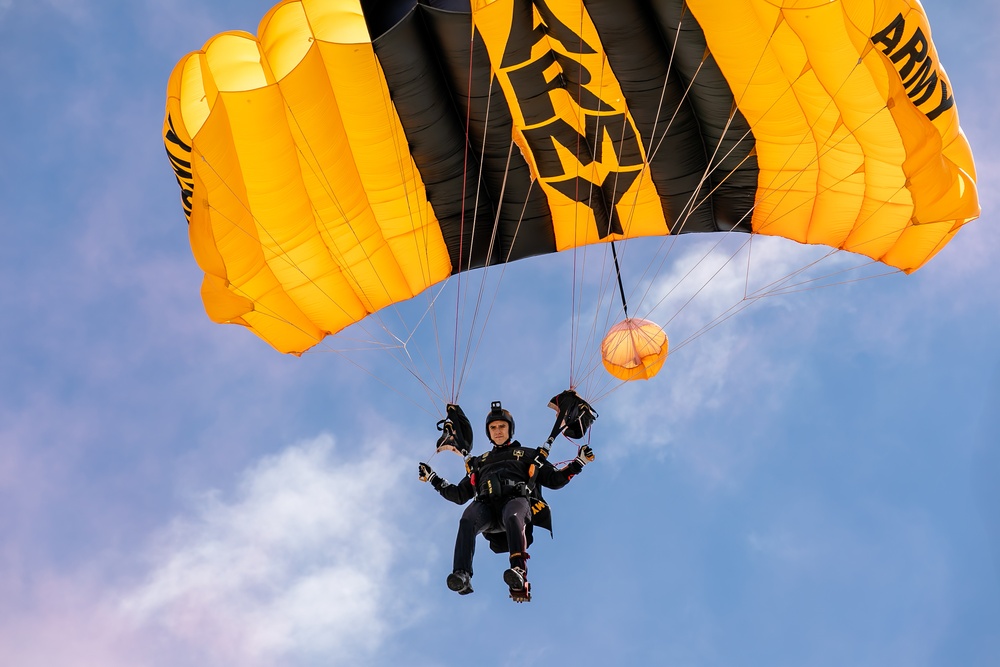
x: 535, y: 82
x: 923, y: 81
x: 182, y: 167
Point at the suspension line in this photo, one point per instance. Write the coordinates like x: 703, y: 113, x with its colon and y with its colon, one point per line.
x: 618, y: 273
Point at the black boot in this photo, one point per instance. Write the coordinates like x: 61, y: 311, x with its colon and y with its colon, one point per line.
x: 516, y: 578
x: 460, y: 582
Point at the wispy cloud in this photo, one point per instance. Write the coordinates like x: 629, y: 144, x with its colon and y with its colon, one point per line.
x: 711, y: 277
x: 299, y: 564
x: 295, y: 563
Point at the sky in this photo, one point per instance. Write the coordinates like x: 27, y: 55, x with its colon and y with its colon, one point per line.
x: 812, y: 483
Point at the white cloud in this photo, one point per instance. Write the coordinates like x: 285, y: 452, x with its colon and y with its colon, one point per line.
x: 671, y: 416
x: 296, y: 564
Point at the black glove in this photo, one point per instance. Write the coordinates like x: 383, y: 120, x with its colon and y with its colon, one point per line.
x: 426, y: 474
x: 585, y: 455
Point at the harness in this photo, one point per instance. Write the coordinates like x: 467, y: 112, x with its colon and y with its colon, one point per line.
x: 496, y: 486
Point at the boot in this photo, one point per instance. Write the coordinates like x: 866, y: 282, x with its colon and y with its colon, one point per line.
x: 460, y: 582
x: 516, y: 578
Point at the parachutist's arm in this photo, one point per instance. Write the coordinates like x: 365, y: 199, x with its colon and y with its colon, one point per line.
x: 459, y: 494
x: 552, y: 477
x: 556, y: 478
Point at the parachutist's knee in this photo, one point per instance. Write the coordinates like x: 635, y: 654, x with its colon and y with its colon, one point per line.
x: 513, y: 522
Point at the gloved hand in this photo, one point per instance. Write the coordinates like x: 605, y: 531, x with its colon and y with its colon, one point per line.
x: 426, y: 473
x: 585, y: 455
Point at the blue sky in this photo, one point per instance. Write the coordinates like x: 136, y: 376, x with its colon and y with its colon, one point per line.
x: 813, y: 483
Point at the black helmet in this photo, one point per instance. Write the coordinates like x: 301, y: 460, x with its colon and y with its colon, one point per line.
x: 498, y: 414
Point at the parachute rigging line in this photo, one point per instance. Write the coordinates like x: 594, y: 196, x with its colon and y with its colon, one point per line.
x: 461, y: 228
x: 618, y: 272
x: 470, y: 353
x: 458, y: 378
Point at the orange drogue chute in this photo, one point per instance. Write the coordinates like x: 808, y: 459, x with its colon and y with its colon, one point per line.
x: 634, y: 349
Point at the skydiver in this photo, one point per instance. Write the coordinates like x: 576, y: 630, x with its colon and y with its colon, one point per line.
x: 505, y: 483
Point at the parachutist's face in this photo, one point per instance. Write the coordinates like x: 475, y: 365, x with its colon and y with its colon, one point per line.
x: 499, y: 432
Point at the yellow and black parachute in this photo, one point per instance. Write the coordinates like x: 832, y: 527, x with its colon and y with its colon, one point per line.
x: 355, y: 153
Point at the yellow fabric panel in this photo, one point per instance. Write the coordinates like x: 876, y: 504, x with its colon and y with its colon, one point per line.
x: 283, y: 213
x: 273, y: 256
x: 227, y: 223
x: 238, y: 287
x: 337, y: 21
x: 233, y: 62
x: 868, y: 143
x: 339, y: 110
x: 221, y: 304
x: 196, y: 92
x: 284, y: 38
x: 398, y: 210
x: 847, y: 156
x: 639, y: 209
x: 301, y: 226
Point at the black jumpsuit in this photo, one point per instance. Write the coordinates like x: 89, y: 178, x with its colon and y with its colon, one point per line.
x: 508, y: 502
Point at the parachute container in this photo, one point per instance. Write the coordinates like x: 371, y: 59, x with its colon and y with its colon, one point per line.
x: 634, y: 349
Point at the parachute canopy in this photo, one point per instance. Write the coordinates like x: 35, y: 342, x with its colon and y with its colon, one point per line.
x: 355, y: 153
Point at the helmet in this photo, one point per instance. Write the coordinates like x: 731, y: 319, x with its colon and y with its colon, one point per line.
x: 498, y: 414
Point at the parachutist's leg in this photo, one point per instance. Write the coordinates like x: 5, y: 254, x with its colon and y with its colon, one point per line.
x: 515, y: 516
x: 475, y: 519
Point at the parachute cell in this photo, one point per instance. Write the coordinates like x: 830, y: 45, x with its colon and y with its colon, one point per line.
x: 355, y: 153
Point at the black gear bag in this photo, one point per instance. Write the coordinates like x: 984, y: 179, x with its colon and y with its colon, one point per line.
x: 456, y: 432
x: 574, y: 417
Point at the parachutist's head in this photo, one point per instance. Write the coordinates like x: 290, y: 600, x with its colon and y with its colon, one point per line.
x: 499, y: 424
